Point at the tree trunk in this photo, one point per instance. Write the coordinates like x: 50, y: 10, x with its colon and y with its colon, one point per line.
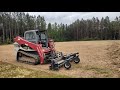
x: 3, y: 31
x: 10, y: 31
x: 3, y: 34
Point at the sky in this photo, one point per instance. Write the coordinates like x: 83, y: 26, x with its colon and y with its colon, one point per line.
x: 69, y: 17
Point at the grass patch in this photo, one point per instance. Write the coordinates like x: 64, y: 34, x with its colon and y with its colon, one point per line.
x: 103, y: 72
x: 12, y: 71
x: 99, y: 70
x: 88, y: 67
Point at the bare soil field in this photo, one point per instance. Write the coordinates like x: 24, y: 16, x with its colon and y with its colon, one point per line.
x: 99, y: 59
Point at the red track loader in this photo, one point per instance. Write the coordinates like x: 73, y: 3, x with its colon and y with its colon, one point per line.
x: 36, y: 48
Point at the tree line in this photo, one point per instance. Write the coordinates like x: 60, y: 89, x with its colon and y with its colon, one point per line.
x: 13, y: 24
x: 90, y: 29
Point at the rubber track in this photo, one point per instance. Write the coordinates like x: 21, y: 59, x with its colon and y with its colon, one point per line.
x: 35, y: 57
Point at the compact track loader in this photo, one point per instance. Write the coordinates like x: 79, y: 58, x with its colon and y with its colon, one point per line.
x: 36, y: 48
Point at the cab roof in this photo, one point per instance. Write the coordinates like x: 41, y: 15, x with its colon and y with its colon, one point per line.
x: 35, y: 30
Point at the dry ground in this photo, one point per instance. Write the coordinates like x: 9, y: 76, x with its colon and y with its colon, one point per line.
x: 99, y: 59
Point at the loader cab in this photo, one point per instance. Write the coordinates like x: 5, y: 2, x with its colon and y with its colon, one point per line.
x: 37, y: 36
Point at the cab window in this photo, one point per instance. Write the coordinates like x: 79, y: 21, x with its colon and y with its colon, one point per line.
x: 29, y: 36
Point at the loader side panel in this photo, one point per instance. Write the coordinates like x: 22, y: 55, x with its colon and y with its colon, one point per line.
x: 36, y: 47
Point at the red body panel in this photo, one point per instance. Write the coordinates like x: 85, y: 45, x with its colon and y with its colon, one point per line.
x: 36, y: 47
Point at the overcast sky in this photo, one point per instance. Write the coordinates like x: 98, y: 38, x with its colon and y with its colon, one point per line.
x: 69, y: 17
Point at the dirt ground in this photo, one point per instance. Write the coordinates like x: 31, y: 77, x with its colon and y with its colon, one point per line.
x: 99, y: 59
